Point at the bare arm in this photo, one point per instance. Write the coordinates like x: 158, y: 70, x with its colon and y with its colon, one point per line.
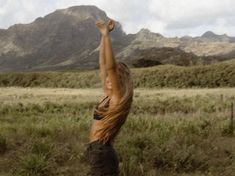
x: 109, y: 61
x: 102, y: 63
x: 110, y: 65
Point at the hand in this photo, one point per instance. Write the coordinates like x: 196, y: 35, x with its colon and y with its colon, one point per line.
x: 104, y: 30
x: 111, y: 25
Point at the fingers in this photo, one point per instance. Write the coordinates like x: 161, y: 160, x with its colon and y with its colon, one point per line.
x: 111, y: 25
x: 111, y: 22
x: 99, y: 23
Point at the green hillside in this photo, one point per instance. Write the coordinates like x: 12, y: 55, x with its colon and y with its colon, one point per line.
x: 216, y: 75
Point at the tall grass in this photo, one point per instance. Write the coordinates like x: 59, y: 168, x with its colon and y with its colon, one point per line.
x: 164, y: 135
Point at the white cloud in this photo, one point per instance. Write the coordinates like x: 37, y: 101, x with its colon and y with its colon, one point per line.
x: 169, y: 17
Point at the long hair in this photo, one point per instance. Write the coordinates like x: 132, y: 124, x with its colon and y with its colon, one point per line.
x: 114, y: 118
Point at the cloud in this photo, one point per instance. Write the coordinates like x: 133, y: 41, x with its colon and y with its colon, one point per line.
x: 169, y: 17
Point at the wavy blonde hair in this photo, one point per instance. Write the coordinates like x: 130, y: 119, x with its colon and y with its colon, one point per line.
x: 114, y: 118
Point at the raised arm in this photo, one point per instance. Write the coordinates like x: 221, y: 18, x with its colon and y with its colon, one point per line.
x: 110, y: 63
x: 103, y: 72
x: 111, y: 67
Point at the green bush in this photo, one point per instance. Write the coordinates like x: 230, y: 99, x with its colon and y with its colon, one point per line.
x: 215, y: 75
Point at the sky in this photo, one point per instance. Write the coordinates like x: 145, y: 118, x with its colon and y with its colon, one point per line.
x: 168, y: 17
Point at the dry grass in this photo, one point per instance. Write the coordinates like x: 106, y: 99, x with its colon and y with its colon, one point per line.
x: 39, y: 95
x: 169, y: 92
x: 14, y: 95
x: 180, y: 132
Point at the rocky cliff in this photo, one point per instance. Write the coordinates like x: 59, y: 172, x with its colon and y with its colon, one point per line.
x: 68, y: 38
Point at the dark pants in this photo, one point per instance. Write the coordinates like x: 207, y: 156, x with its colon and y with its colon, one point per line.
x: 103, y: 159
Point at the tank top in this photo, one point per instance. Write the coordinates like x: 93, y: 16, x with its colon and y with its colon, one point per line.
x: 97, y: 116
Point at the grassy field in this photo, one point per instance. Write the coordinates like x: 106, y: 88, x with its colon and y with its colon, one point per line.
x: 181, y: 132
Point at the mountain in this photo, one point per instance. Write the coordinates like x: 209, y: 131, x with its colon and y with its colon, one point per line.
x: 205, y: 46
x: 210, y: 36
x: 167, y: 55
x: 63, y: 38
x: 68, y: 39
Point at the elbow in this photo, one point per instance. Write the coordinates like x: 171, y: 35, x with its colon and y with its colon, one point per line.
x: 111, y: 67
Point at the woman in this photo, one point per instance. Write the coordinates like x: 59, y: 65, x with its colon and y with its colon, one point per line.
x: 112, y: 111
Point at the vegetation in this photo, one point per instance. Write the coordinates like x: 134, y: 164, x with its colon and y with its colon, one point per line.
x: 180, y: 132
x: 169, y: 132
x: 215, y: 75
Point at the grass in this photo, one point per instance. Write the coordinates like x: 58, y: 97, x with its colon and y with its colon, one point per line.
x: 180, y: 132
x: 220, y: 74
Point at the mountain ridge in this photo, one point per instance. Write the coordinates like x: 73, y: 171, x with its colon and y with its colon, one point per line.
x: 68, y: 38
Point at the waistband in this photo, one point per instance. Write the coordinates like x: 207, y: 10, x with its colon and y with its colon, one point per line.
x: 97, y: 143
